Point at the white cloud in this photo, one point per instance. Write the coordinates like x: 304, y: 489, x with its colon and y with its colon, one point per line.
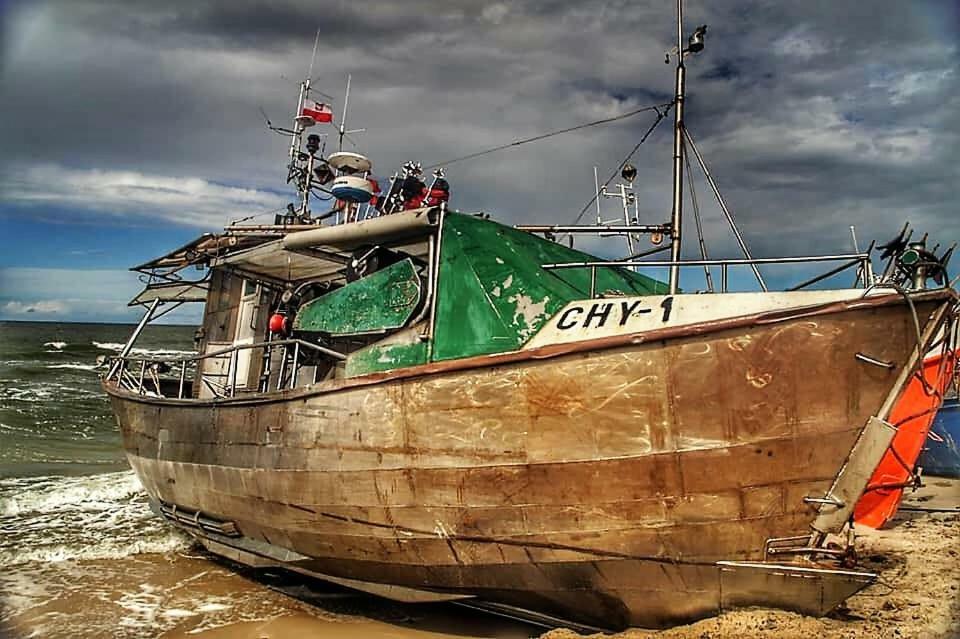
x: 909, y: 85
x: 183, y: 200
x: 77, y: 295
x: 816, y: 127
x: 16, y: 307
x: 799, y: 43
x: 495, y: 13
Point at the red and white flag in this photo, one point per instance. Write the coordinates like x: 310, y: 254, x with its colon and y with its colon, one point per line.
x: 319, y: 111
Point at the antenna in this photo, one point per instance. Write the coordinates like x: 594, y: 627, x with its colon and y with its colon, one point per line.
x: 596, y: 192
x: 344, y: 132
x: 343, y: 120
x: 313, y: 57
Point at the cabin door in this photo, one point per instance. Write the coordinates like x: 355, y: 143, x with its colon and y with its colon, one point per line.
x: 247, y: 315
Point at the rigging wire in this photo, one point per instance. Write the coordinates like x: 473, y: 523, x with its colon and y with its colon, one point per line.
x: 543, y: 136
x: 696, y: 218
x: 660, y: 116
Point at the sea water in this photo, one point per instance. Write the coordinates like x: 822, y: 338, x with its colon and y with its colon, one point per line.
x: 81, y: 553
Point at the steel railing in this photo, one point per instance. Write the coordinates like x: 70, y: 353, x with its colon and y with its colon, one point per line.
x: 150, y: 368
x: 860, y: 260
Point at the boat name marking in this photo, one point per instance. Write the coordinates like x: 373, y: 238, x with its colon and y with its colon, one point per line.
x: 597, y: 314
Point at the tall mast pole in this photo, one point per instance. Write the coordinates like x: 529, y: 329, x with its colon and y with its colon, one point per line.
x: 676, y: 222
x: 297, y: 128
x: 343, y: 120
x: 298, y: 131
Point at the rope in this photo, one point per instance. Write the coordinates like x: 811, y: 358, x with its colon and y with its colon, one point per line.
x: 660, y: 116
x: 544, y: 136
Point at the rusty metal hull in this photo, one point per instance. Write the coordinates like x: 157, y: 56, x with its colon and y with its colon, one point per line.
x: 611, y: 483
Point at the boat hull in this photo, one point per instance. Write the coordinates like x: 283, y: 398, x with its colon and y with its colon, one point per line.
x: 941, y: 457
x: 913, y: 415
x: 614, y: 484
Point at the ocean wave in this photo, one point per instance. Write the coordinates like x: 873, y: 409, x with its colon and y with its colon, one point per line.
x: 103, y: 516
x: 158, y: 352
x: 46, y: 392
x: 46, y: 494
x: 75, y: 366
x: 169, y: 541
x: 57, y: 345
x: 109, y: 346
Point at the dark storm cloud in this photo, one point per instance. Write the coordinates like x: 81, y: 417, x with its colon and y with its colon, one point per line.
x: 812, y: 115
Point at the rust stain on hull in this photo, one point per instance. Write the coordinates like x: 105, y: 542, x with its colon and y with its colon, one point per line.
x: 602, y: 485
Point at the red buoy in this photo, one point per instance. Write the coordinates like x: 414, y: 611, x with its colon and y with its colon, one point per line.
x: 278, y: 323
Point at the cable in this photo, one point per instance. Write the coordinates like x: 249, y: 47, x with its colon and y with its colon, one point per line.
x: 544, y: 136
x: 696, y: 218
x: 660, y: 116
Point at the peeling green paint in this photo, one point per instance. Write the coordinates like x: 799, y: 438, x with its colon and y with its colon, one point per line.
x: 397, y: 351
x: 493, y: 294
x: 384, y: 300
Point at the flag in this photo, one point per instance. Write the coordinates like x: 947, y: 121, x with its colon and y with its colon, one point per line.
x: 319, y: 111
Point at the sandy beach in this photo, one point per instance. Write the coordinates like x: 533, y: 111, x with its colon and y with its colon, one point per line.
x: 186, y: 594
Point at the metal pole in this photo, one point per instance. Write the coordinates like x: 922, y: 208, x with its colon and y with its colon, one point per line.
x: 626, y: 218
x: 596, y: 191
x: 283, y: 366
x: 293, y: 370
x: 133, y: 338
x: 723, y: 278
x: 183, y: 376
x: 297, y: 129
x: 868, y: 265
x: 819, y: 278
x: 726, y: 211
x: 594, y: 228
x: 234, y: 362
x: 593, y: 282
x: 696, y: 219
x: 717, y: 262
x: 343, y: 120
x: 856, y: 249
x: 676, y: 220
x: 307, y: 185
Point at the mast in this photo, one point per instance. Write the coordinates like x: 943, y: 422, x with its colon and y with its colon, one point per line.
x: 298, y: 128
x: 676, y: 221
x: 343, y: 120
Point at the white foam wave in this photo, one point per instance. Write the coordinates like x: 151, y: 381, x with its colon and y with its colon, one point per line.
x: 45, y: 392
x: 79, y: 367
x: 57, y: 345
x: 106, y: 516
x: 45, y: 494
x: 168, y: 541
x: 109, y: 346
x: 148, y: 352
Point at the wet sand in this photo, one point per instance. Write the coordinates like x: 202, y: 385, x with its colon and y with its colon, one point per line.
x: 191, y: 595
x: 187, y: 595
x: 917, y: 595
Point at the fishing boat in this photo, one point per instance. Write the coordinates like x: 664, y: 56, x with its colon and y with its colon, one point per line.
x: 914, y: 415
x: 429, y: 405
x: 941, y: 455
x: 919, y: 404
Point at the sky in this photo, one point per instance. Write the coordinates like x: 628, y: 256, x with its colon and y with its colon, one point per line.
x: 130, y: 126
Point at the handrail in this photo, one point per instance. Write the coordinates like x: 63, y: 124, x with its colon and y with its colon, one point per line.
x: 852, y: 259
x: 236, y: 347
x: 716, y: 262
x: 229, y: 388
